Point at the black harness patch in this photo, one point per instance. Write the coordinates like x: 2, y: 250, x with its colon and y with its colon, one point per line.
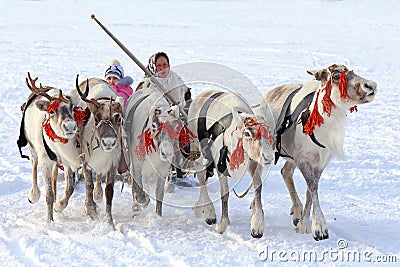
x: 202, y: 132
x: 286, y: 120
x: 216, y: 129
x: 22, y: 141
x: 304, y: 119
x: 49, y: 152
x: 130, y: 114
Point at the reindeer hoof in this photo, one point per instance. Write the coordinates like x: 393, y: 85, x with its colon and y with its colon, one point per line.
x: 34, y: 195
x: 318, y: 236
x: 211, y: 221
x: 256, y: 234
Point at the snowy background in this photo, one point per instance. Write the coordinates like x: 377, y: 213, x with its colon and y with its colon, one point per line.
x: 271, y: 43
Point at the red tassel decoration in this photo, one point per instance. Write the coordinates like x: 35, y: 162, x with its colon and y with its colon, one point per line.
x: 343, y: 85
x: 237, y: 157
x: 262, y: 130
x: 80, y: 115
x: 145, y: 146
x: 186, y: 136
x: 169, y: 130
x: 315, y: 119
x: 327, y: 103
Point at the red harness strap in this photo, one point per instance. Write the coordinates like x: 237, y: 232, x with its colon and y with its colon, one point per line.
x: 47, y: 127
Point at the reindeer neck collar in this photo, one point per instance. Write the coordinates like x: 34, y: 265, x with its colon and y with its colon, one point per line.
x: 51, y: 133
x: 47, y: 127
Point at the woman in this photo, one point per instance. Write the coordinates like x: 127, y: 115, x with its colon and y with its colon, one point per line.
x: 175, y: 88
x: 173, y: 84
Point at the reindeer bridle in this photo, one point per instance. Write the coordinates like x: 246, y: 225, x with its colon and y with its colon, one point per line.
x: 237, y: 157
x: 54, y: 103
x: 315, y: 119
x: 113, y: 110
x: 146, y: 144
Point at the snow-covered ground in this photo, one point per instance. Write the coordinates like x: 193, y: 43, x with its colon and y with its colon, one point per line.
x: 271, y: 43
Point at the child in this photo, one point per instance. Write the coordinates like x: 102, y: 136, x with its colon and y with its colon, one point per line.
x: 114, y: 75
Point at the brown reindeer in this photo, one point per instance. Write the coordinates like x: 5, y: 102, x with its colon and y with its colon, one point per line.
x: 103, y: 148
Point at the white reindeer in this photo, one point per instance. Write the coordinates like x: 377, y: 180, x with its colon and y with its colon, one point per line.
x: 49, y: 128
x: 228, y: 131
x: 311, y: 145
x: 152, y: 129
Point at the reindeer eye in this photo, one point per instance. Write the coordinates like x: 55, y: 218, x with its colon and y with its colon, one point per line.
x: 336, y: 77
x: 97, y: 118
x: 116, y: 118
x: 247, y: 133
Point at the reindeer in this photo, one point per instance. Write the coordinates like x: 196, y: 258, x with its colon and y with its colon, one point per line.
x: 228, y: 131
x: 105, y: 145
x: 320, y: 106
x: 153, y: 133
x: 49, y: 128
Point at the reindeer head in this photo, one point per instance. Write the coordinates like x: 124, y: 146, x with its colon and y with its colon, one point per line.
x: 256, y: 139
x: 108, y: 118
x: 109, y: 122
x: 344, y: 87
x: 165, y: 130
x: 339, y: 89
x: 59, y: 124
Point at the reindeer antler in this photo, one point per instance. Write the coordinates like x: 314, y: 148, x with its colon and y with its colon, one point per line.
x: 32, y: 86
x: 61, y: 97
x: 31, y: 83
x: 84, y: 95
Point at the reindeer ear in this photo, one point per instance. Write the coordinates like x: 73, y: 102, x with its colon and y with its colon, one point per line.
x: 319, y: 75
x: 237, y: 118
x: 120, y: 100
x: 174, y: 111
x: 42, y: 105
x: 240, y: 118
x: 92, y: 107
x: 157, y: 111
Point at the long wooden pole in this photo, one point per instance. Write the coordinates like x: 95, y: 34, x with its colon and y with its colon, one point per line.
x: 146, y: 71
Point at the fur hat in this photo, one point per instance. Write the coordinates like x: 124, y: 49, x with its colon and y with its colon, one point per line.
x: 152, y: 62
x: 115, y: 69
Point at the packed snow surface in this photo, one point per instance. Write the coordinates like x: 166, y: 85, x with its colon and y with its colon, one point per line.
x: 269, y: 42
